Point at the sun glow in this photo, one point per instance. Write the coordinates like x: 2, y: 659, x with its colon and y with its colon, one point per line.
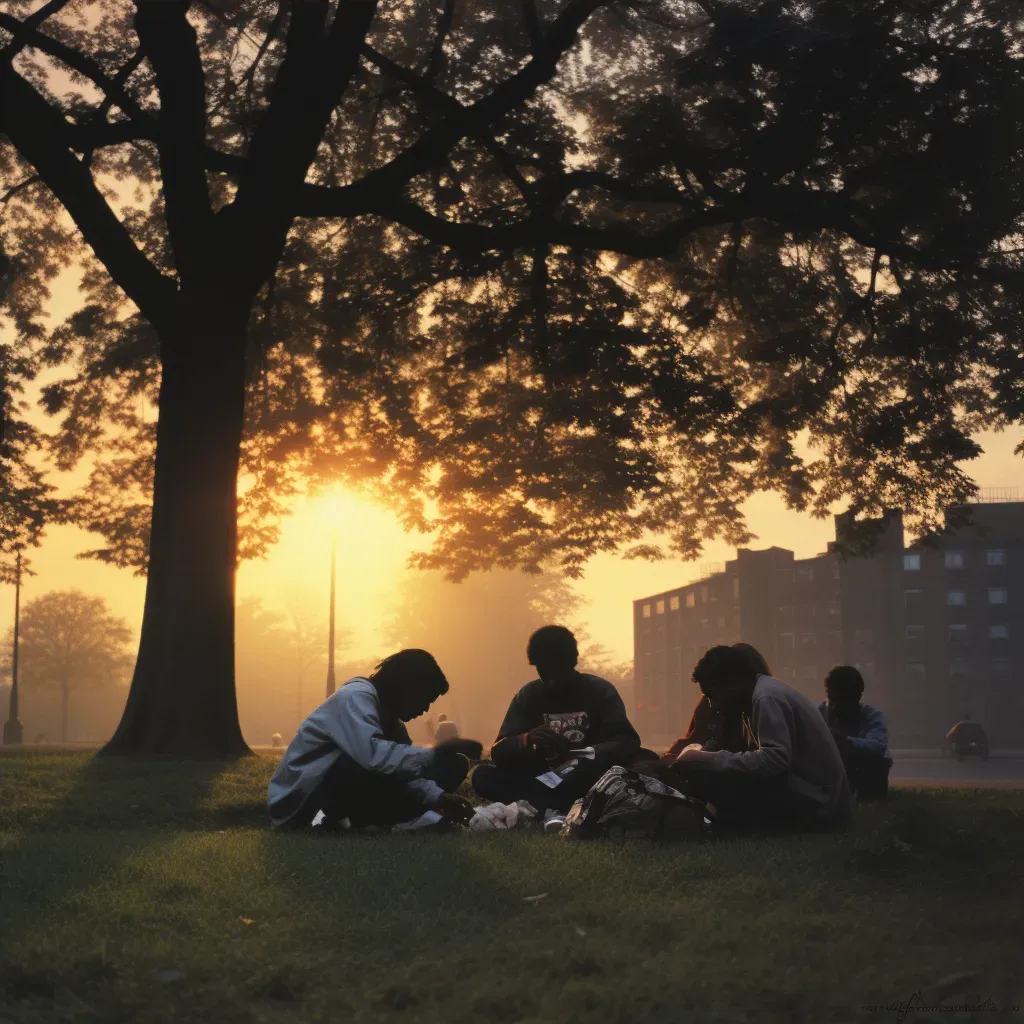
x: 372, y: 551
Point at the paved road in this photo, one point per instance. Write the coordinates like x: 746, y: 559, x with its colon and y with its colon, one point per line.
x: 996, y: 773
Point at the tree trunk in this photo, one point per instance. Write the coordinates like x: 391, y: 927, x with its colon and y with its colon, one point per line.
x: 182, y: 698
x: 64, y: 711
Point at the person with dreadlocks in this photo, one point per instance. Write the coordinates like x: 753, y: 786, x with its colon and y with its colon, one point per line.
x: 352, y: 758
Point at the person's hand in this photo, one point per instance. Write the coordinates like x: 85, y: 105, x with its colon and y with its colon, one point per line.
x: 468, y: 748
x: 690, y: 753
x: 843, y: 742
x: 455, y: 808
x: 548, y: 743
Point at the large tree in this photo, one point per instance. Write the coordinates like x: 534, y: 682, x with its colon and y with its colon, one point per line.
x: 561, y: 273
x: 70, y: 641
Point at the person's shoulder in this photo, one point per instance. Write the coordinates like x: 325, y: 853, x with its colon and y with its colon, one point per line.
x: 597, y: 683
x: 529, y: 691
x: 353, y: 689
x: 870, y: 711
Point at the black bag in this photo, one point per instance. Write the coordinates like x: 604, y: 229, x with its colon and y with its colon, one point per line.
x: 625, y: 804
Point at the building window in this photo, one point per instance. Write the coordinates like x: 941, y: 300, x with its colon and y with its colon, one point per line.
x: 997, y: 595
x: 785, y: 611
x: 866, y: 668
x: 998, y: 633
x: 958, y: 669
x: 1001, y: 670
x: 691, y: 599
x: 787, y: 641
x: 673, y: 604
x: 721, y: 622
x: 703, y: 595
x: 805, y: 573
x: 915, y: 632
x: 808, y: 639
x: 647, y: 611
x: 916, y: 671
x: 660, y: 608
x: 835, y: 570
x: 954, y: 559
x: 995, y: 557
x: 736, y: 588
x: 806, y: 611
x: 811, y: 671
x: 912, y: 563
x: 913, y: 598
x: 956, y: 597
x: 958, y: 634
x: 833, y: 608
x: 863, y: 636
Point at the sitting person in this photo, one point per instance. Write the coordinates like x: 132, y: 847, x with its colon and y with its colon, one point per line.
x: 710, y: 727
x: 567, y: 727
x: 968, y: 737
x: 794, y: 776
x: 352, y: 757
x: 446, y: 730
x: 859, y: 731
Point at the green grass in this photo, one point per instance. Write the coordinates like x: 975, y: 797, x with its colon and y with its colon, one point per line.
x: 111, y: 874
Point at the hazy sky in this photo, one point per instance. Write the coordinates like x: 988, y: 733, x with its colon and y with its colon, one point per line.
x: 373, y: 550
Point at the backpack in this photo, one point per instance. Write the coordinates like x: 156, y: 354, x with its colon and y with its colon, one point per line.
x: 624, y: 804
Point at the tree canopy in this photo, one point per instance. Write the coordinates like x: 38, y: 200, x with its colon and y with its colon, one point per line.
x: 559, y: 274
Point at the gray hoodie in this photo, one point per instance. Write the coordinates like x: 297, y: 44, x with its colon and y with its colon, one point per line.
x: 349, y: 722
x: 792, y: 739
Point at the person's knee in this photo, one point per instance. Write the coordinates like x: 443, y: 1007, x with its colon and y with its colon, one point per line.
x: 488, y: 781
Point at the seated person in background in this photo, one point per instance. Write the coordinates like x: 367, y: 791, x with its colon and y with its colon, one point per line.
x: 793, y: 777
x: 859, y: 731
x: 561, y: 712
x: 352, y: 757
x: 711, y: 727
x: 968, y: 737
x: 446, y: 730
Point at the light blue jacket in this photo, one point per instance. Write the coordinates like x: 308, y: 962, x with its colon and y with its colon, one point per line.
x: 349, y: 722
x: 872, y: 733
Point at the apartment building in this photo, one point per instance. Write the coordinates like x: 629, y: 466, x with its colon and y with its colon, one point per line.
x: 937, y: 628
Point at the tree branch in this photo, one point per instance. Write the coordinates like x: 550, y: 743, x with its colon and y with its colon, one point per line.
x: 444, y: 25
x: 310, y: 83
x: 169, y: 43
x: 431, y: 147
x: 25, y: 29
x: 41, y: 135
x: 533, y: 27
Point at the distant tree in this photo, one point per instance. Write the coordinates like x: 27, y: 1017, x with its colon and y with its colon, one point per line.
x: 70, y: 641
x: 565, y: 271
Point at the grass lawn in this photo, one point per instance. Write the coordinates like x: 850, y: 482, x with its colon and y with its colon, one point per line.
x: 156, y: 892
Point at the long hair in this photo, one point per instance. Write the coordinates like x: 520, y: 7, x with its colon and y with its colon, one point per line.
x: 410, y: 664
x: 756, y: 658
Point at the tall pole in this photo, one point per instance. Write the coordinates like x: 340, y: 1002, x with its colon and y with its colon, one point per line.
x: 13, y: 730
x: 331, y: 685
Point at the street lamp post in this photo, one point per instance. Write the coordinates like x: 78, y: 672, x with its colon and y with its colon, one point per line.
x: 331, y: 684
x: 13, y: 730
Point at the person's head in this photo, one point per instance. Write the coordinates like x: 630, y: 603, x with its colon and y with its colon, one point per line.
x: 844, y: 687
x: 726, y: 675
x: 756, y: 658
x: 409, y: 681
x: 552, y: 650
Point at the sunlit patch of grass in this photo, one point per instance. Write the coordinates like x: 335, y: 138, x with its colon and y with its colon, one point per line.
x: 189, y: 909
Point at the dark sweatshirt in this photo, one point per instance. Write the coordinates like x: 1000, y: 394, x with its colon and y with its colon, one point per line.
x: 586, y: 710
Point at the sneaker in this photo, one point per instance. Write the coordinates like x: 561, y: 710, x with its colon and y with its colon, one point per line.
x: 554, y: 822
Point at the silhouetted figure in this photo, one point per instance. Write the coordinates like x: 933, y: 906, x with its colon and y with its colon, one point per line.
x: 352, y: 757
x: 275, y: 740
x: 859, y: 731
x: 561, y: 712
x: 446, y: 730
x: 794, y: 776
x: 711, y: 726
x: 968, y: 739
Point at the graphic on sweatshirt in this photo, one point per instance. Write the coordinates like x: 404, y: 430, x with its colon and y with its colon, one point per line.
x: 573, y: 725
